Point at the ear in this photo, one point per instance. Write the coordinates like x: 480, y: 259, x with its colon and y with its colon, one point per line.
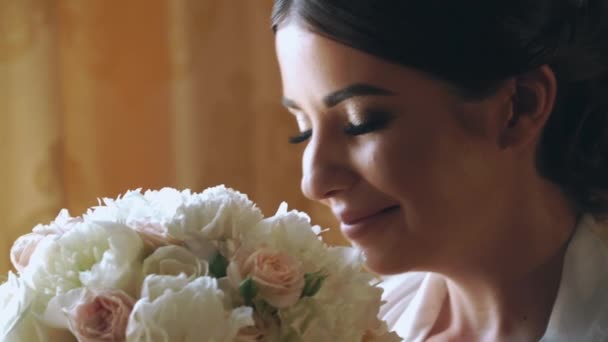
x: 531, y: 105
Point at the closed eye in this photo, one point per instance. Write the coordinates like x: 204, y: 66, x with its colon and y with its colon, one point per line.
x: 367, y: 127
x: 380, y: 121
x: 303, y: 136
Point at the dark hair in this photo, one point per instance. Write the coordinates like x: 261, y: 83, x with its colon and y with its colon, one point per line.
x: 478, y: 44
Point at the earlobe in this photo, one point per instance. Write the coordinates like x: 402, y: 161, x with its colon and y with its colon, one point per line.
x: 532, y: 104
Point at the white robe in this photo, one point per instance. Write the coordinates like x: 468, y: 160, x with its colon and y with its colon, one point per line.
x: 580, y: 313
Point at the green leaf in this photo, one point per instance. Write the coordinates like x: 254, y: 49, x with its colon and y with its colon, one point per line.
x: 313, y: 283
x: 218, y: 266
x: 248, y: 290
x: 262, y: 307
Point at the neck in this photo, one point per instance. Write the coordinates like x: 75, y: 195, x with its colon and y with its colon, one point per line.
x: 510, y: 291
x: 497, y: 309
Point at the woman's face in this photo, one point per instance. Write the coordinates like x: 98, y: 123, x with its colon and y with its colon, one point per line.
x: 411, y: 170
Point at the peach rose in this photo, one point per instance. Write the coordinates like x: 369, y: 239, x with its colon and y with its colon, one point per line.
x: 25, y: 245
x: 101, y: 316
x: 278, y: 276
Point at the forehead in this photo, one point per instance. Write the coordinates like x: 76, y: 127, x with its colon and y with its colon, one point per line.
x: 308, y: 59
x: 312, y: 65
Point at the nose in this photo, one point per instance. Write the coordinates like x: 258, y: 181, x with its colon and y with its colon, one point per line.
x: 326, y: 168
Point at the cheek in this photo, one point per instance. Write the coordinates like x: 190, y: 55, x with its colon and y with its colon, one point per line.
x: 436, y: 176
x: 406, y: 163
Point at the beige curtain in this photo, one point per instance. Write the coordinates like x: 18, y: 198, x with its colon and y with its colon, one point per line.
x: 101, y: 96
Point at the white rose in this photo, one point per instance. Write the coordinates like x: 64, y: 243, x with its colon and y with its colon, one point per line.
x: 91, y: 254
x: 174, y: 309
x: 174, y: 260
x: 19, y: 323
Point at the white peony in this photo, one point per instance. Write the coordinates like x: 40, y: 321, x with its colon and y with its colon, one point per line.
x: 19, y: 323
x: 24, y: 246
x: 85, y: 274
x: 61, y: 224
x: 175, y: 309
x: 342, y: 319
x: 147, y: 213
x: 219, y: 213
x: 291, y: 232
x: 172, y: 216
x: 159, y: 206
x: 344, y: 300
x: 380, y: 333
x: 91, y: 254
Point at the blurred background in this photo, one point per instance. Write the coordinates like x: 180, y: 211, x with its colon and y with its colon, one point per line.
x: 101, y: 96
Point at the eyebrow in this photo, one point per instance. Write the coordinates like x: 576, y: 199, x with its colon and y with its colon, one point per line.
x: 338, y: 96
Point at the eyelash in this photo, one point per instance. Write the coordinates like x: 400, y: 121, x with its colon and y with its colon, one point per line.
x: 302, y: 137
x: 350, y: 129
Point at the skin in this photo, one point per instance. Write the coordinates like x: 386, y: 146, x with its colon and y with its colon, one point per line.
x: 445, y: 184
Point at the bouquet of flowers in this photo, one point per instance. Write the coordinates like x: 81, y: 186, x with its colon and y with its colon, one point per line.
x: 174, y: 265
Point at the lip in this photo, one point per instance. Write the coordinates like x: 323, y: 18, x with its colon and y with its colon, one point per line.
x: 355, y: 225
